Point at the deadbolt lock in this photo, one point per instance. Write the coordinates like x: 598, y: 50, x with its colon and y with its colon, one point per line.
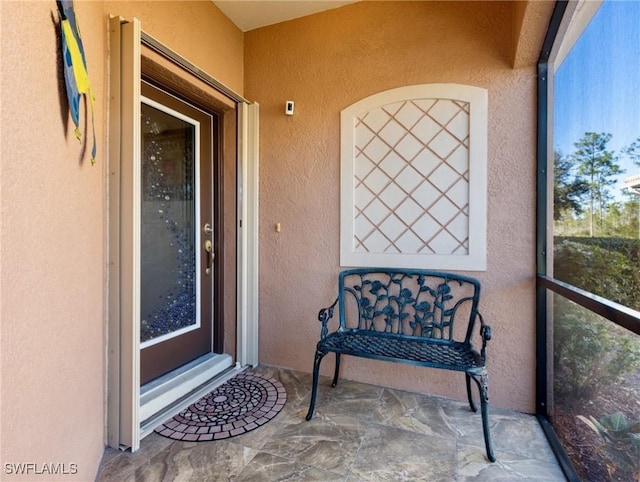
x: 207, y: 229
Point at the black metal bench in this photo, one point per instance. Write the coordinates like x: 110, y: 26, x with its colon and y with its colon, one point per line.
x: 407, y: 316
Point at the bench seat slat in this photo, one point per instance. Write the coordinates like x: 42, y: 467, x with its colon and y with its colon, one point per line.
x: 412, y: 350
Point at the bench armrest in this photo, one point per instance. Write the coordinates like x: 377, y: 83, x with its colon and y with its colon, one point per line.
x: 485, y: 333
x: 324, y: 316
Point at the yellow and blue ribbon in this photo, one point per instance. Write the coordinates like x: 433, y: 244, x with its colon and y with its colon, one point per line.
x: 76, y: 78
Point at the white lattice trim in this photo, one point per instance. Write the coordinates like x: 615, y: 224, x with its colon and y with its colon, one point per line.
x: 414, y: 178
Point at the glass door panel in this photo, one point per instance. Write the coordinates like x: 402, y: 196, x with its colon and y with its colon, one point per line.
x: 169, y: 234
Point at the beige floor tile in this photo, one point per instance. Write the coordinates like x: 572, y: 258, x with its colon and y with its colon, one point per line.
x: 196, y: 461
x: 395, y: 454
x: 418, y: 413
x: 473, y: 466
x: 266, y: 467
x: 326, y: 442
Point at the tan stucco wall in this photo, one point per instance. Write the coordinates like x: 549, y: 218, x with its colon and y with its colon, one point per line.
x: 327, y: 62
x: 53, y: 223
x: 52, y: 258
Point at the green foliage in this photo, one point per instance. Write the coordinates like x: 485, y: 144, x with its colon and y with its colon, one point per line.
x: 621, y: 219
x: 596, y: 166
x: 629, y: 247
x: 633, y: 151
x: 621, y: 443
x: 589, y: 355
x: 567, y: 190
x: 584, y: 180
x: 604, y: 266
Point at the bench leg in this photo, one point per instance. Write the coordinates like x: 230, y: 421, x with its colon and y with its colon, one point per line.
x: 472, y: 404
x: 483, y: 386
x: 335, y: 374
x: 314, y: 388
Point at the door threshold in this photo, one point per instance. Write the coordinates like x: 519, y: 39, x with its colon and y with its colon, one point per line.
x: 163, y: 397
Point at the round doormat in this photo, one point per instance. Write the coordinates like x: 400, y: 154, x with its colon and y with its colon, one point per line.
x: 238, y: 406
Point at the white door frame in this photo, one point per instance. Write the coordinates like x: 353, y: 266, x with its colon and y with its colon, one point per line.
x: 247, y: 249
x: 123, y: 310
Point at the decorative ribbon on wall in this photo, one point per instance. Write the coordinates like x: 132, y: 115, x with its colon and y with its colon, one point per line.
x: 76, y: 78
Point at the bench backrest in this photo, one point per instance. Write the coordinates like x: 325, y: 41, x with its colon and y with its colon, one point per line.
x: 411, y: 302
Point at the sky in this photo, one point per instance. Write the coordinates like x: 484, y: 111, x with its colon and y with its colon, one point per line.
x: 597, y: 87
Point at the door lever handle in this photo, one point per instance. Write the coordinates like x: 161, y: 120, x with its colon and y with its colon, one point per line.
x: 208, y: 247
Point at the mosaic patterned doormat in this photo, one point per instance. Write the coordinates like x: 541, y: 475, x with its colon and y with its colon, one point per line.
x: 238, y: 406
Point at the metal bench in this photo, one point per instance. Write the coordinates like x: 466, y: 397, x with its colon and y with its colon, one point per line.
x: 413, y: 316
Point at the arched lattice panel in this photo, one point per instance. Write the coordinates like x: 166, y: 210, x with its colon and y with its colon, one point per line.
x: 413, y: 178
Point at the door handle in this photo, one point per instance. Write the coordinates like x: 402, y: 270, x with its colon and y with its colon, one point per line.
x: 208, y: 247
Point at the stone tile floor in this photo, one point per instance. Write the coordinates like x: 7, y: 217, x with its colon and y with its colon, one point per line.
x: 359, y: 432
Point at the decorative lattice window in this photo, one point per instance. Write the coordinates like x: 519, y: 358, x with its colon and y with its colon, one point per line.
x: 413, y: 177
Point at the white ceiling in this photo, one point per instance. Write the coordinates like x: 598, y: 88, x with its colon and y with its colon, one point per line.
x: 250, y: 14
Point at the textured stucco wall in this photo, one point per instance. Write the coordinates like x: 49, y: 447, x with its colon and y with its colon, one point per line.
x: 52, y: 258
x: 325, y: 63
x: 53, y: 223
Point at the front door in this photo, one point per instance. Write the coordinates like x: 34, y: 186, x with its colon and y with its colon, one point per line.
x: 176, y: 233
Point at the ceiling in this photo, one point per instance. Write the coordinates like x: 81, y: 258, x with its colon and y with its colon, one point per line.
x: 251, y: 14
